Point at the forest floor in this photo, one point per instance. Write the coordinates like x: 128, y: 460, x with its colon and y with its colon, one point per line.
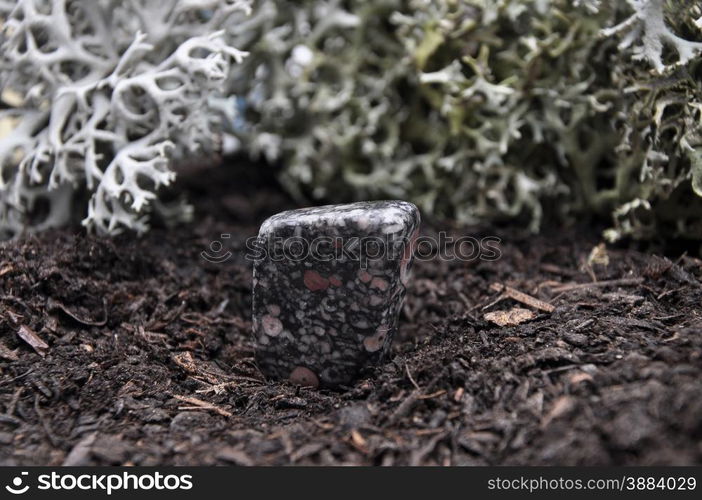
x: 138, y: 351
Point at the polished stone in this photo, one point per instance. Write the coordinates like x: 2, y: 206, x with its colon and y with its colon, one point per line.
x: 328, y: 286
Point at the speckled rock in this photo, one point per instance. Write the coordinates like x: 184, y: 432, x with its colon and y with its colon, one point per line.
x: 328, y: 286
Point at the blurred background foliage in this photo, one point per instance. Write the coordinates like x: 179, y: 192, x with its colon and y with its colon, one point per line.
x: 483, y: 110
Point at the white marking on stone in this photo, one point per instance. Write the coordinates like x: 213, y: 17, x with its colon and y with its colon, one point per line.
x: 393, y: 228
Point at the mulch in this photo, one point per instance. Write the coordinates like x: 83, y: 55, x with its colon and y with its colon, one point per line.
x: 138, y: 351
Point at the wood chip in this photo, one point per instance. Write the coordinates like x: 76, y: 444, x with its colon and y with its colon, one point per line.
x: 429, y: 432
x: 358, y: 441
x: 185, y: 361
x: 306, y: 450
x: 513, y: 317
x: 561, y: 407
x: 577, y: 378
x: 8, y: 354
x: 403, y: 408
x: 80, y: 453
x: 326, y: 426
x: 31, y: 338
x: 522, y: 297
x: 237, y: 457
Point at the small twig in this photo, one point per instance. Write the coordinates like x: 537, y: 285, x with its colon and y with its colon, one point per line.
x: 584, y: 324
x: 44, y: 423
x: 429, y: 432
x: 4, y: 382
x: 599, y: 284
x: 436, y: 394
x: 403, y: 408
x: 522, y: 297
x: 465, y: 300
x: 199, y: 404
x: 559, y: 369
x: 417, y: 456
x: 468, y: 305
x: 13, y: 402
x: 409, y: 375
x: 665, y: 293
x: 499, y: 299
x: 219, y: 388
x: 53, y: 305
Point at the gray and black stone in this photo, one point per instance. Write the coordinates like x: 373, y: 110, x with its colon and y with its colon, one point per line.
x: 328, y: 284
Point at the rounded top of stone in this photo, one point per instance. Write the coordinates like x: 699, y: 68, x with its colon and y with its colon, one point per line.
x: 387, y: 213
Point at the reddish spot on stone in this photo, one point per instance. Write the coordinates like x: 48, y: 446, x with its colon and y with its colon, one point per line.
x: 315, y: 281
x: 271, y: 325
x: 334, y: 281
x: 379, y: 283
x: 376, y: 300
x: 375, y: 342
x: 304, y: 377
x: 372, y: 344
x: 364, y: 276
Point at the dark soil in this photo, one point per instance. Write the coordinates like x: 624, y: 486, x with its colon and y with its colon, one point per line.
x: 137, y: 327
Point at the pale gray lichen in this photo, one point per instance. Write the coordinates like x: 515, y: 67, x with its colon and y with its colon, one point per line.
x: 479, y: 110
x: 647, y: 27
x: 112, y: 91
x: 483, y: 109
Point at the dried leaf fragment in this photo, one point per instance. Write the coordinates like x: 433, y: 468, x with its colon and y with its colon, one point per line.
x: 513, y: 317
x: 185, y: 361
